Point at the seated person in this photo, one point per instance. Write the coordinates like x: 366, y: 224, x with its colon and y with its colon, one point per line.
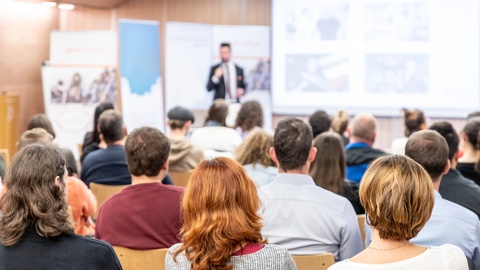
x: 145, y: 215
x: 397, y: 194
x: 92, y: 141
x: 183, y: 156
x: 35, y: 228
x: 320, y: 122
x: 222, y: 224
x: 250, y: 117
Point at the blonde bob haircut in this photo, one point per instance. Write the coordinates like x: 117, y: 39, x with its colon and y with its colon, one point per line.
x: 397, y: 194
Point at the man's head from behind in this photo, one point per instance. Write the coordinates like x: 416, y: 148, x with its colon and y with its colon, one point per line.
x: 363, y: 128
x: 430, y: 149
x: 147, y: 151
x: 320, y: 122
x: 110, y: 125
x: 448, y: 133
x: 225, y: 52
x: 292, y: 145
x: 36, y: 135
x: 180, y: 117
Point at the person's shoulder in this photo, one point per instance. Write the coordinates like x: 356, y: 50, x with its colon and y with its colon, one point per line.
x: 455, y: 211
x: 97, y: 245
x: 341, y: 265
x: 454, y: 254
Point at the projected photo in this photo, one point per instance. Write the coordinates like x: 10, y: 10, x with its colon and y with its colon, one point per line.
x: 258, y: 78
x: 320, y: 72
x: 397, y: 22
x: 307, y: 21
x: 400, y: 73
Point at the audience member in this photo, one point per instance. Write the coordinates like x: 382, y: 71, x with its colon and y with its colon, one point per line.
x: 454, y: 187
x: 320, y: 122
x: 81, y: 200
x: 328, y: 169
x: 340, y: 124
x: 450, y: 223
x: 250, y: 117
x: 473, y: 114
x: 398, y: 197
x: 215, y: 138
x: 254, y: 155
x: 300, y: 216
x: 35, y: 230
x: 222, y: 225
x: 414, y: 121
x: 92, y: 141
x: 35, y: 135
x: 471, y: 150
x: 359, y: 152
x: 41, y: 121
x: 145, y: 215
x: 183, y: 156
x: 2, y: 168
x: 108, y: 166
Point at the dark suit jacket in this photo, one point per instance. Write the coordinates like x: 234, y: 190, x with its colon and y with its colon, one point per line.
x: 220, y: 87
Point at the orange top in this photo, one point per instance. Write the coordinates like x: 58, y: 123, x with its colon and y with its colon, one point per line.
x: 83, y: 204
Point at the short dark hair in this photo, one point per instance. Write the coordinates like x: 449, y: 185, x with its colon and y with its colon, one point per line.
x: 448, y: 132
x: 146, y: 149
x: 111, y: 126
x: 225, y: 44
x: 177, y: 124
x: 70, y: 162
x: 430, y: 149
x: 413, y: 121
x: 471, y: 130
x: 292, y: 143
x: 320, y: 122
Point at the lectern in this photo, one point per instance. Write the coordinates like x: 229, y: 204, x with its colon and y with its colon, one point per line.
x: 9, y: 119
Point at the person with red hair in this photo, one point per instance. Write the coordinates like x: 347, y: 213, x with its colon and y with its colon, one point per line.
x: 221, y: 227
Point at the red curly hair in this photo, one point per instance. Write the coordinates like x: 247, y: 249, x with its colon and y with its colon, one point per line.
x: 220, y: 208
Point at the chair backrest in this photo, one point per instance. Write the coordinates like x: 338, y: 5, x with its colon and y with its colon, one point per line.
x: 361, y: 225
x: 6, y: 156
x: 314, y: 262
x: 180, y: 178
x: 103, y: 192
x: 150, y: 259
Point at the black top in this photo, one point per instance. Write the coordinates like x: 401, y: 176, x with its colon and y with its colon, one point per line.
x: 68, y: 251
x: 468, y: 170
x: 460, y: 190
x: 350, y: 191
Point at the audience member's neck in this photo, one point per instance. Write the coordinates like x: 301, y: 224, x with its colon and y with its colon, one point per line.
x: 178, y: 134
x: 378, y: 242
x: 301, y: 170
x: 453, y: 163
x: 436, y: 183
x: 143, y: 179
x: 355, y: 139
x: 469, y: 154
x: 120, y: 142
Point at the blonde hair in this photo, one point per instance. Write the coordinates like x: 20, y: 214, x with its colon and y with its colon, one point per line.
x: 397, y: 195
x: 340, y: 121
x: 255, y: 149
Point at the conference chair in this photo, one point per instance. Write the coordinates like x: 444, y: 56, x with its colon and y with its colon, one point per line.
x: 180, y: 178
x: 102, y: 193
x: 151, y: 259
x: 314, y: 262
x: 361, y: 225
x: 6, y: 156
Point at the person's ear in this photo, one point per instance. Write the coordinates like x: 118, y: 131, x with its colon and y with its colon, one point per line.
x: 125, y: 132
x: 187, y: 125
x: 447, y: 167
x: 312, y: 154
x: 349, y: 132
x: 273, y: 155
x: 165, y: 165
x: 100, y: 136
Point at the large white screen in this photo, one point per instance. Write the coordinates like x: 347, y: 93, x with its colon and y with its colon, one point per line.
x: 376, y: 56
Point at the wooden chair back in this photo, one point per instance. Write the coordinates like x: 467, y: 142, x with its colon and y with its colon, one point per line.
x: 6, y: 156
x: 180, y: 178
x: 131, y: 259
x: 103, y: 192
x: 361, y: 226
x: 314, y: 262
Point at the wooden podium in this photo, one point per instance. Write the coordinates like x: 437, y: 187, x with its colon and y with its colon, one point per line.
x: 9, y: 119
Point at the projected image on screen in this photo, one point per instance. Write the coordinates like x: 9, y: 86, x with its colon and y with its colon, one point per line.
x: 397, y: 22
x: 396, y: 73
x: 316, y: 21
x: 324, y: 72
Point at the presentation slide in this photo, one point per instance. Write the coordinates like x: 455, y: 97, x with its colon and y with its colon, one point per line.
x: 376, y: 56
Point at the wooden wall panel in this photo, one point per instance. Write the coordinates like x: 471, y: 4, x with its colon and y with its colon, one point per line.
x: 24, y: 45
x: 82, y: 18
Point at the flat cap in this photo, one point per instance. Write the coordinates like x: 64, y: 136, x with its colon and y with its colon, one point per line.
x: 180, y: 113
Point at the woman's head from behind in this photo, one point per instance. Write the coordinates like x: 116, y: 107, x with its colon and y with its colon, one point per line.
x: 41, y: 121
x: 218, y: 112
x: 470, y: 133
x: 35, y: 194
x: 220, y: 208
x: 397, y: 194
x: 250, y: 116
x: 98, y: 111
x: 328, y: 168
x: 414, y: 121
x: 256, y: 149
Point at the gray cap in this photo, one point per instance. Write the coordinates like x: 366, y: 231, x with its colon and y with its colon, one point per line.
x: 180, y: 113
